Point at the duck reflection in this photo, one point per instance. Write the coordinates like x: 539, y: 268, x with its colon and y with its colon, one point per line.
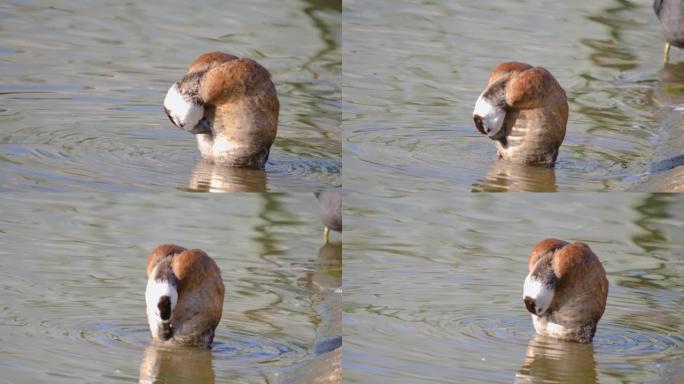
x: 329, y: 274
x: 324, y: 369
x: 670, y: 180
x: 506, y: 176
x: 176, y: 365
x: 550, y: 360
x: 326, y: 280
x: 210, y: 177
x: 666, y: 173
x: 670, y: 89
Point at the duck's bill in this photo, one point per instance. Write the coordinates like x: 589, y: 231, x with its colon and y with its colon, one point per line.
x: 204, y: 126
x: 492, y: 131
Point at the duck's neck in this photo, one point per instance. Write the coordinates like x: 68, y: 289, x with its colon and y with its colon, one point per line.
x: 534, y: 139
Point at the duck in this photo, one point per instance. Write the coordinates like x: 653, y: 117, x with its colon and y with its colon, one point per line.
x: 330, y: 205
x: 565, y: 291
x: 525, y: 111
x: 184, y: 296
x: 671, y: 16
x: 231, y: 106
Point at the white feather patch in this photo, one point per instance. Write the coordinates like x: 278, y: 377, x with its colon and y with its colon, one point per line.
x: 205, y: 143
x: 556, y: 330
x: 538, y: 291
x: 222, y: 145
x: 492, y: 116
x: 184, y: 113
x: 155, y: 290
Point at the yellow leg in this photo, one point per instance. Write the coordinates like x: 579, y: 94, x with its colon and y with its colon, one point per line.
x: 666, y: 53
x: 326, y: 234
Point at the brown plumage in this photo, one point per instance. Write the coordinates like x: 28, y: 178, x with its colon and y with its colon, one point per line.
x: 197, y: 282
x: 240, y: 109
x: 525, y: 111
x: 566, y: 290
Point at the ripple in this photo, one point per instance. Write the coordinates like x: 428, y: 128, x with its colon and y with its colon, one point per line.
x: 611, y: 338
x: 619, y: 340
x: 10, y: 115
x: 40, y: 88
x: 304, y: 167
x: 245, y: 349
x: 109, y: 160
x: 238, y: 348
x: 328, y: 345
x: 135, y: 336
x: 289, y: 172
x: 495, y: 330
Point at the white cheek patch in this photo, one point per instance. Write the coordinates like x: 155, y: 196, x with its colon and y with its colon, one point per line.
x: 538, y: 291
x: 492, y: 116
x: 183, y: 112
x: 155, y: 290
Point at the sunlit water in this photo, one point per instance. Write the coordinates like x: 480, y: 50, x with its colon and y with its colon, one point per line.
x: 82, y: 85
x: 72, y: 283
x: 413, y: 70
x: 433, y: 288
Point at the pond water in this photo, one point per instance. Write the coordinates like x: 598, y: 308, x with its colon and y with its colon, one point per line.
x: 73, y: 288
x: 434, y: 294
x: 413, y: 70
x: 82, y: 85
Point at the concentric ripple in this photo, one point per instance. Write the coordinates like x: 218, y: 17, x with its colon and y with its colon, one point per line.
x: 134, y: 336
x: 237, y: 348
x: 84, y: 122
x: 242, y: 349
x: 617, y: 339
x: 611, y: 337
x: 493, y: 330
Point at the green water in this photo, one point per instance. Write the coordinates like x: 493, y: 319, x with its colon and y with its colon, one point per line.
x: 413, y: 70
x: 433, y: 288
x: 82, y: 85
x: 93, y: 176
x: 73, y: 288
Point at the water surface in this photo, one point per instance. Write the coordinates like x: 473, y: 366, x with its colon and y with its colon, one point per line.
x: 413, y: 70
x: 73, y: 288
x: 433, y: 288
x: 82, y: 85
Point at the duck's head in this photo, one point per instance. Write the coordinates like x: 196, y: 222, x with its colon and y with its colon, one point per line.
x: 184, y: 107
